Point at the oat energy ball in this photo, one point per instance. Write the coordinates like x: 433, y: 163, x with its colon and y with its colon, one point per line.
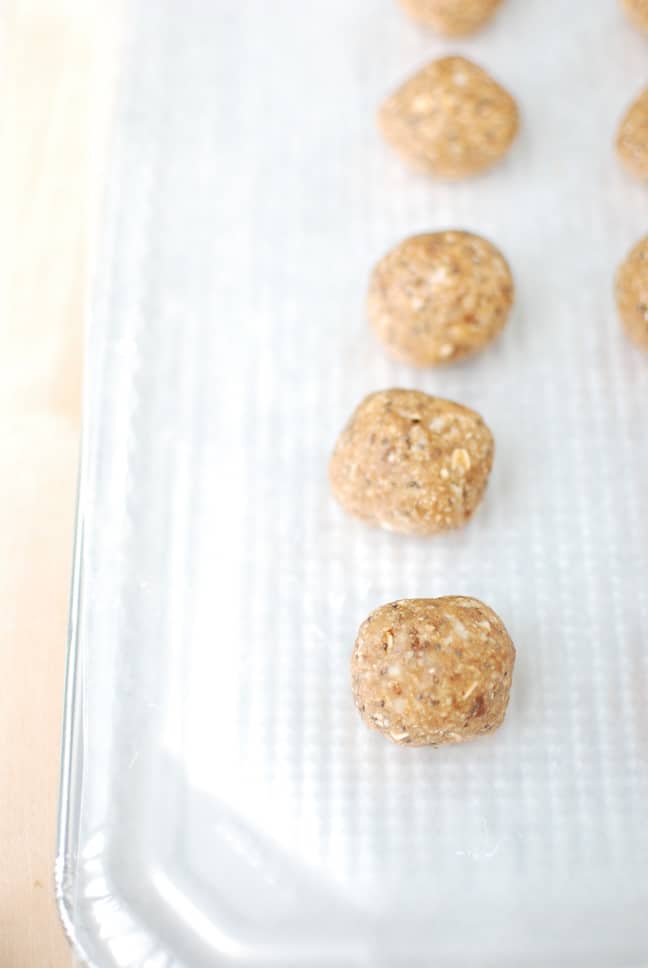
x: 451, y: 17
x: 637, y: 10
x: 412, y: 463
x: 428, y: 671
x: 440, y: 297
x: 450, y: 119
x: 632, y: 137
x: 632, y: 293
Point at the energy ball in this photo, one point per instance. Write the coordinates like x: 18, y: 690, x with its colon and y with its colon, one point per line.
x: 451, y: 119
x: 412, y: 463
x: 452, y: 17
x: 637, y: 10
x: 632, y: 293
x: 429, y: 671
x: 632, y: 138
x: 440, y: 297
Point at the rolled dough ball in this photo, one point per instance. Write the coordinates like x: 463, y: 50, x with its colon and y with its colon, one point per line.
x: 452, y: 17
x: 632, y: 137
x: 450, y: 119
x: 637, y: 10
x: 429, y: 671
x: 412, y: 463
x: 632, y: 293
x: 440, y: 297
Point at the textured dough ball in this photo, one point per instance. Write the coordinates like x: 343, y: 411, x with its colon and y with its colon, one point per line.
x: 637, y: 10
x: 632, y: 293
x: 451, y: 17
x: 428, y: 671
x: 450, y: 119
x: 412, y: 463
x: 632, y: 138
x: 440, y: 297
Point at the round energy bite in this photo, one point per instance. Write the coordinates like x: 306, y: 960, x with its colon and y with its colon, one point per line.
x: 452, y: 17
x: 632, y: 293
x: 440, y: 297
x: 637, y: 11
x: 429, y: 671
x: 412, y: 463
x: 451, y: 119
x: 632, y: 137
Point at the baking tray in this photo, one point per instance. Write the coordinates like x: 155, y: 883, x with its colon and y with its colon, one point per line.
x: 221, y: 802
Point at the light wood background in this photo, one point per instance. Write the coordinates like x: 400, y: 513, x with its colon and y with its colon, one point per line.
x: 55, y: 85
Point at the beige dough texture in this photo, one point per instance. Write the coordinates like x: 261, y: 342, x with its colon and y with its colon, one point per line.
x: 412, y: 463
x: 440, y: 297
x: 632, y: 293
x: 632, y: 137
x: 451, y: 17
x: 637, y: 10
x: 451, y: 119
x: 430, y: 671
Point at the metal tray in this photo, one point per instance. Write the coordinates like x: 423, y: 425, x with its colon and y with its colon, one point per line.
x: 221, y: 802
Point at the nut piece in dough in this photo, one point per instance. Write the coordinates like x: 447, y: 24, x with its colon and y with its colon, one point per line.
x: 452, y: 17
x: 429, y: 671
x: 450, y: 119
x: 632, y: 293
x: 440, y: 297
x: 632, y: 138
x: 637, y: 10
x: 412, y: 463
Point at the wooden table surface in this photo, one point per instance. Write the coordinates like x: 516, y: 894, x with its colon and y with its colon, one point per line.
x: 54, y: 90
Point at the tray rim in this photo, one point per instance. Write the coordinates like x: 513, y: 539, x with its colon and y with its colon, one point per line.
x: 71, y: 731
x: 103, y: 139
